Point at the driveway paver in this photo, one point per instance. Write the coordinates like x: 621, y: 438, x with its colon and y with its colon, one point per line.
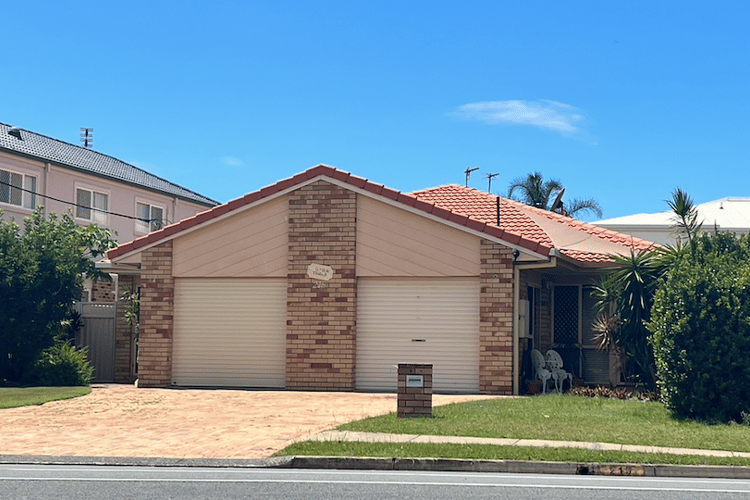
x: 123, y: 421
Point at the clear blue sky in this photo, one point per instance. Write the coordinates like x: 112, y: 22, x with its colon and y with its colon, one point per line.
x: 621, y: 101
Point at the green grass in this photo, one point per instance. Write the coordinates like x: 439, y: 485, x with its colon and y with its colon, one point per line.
x: 553, y: 417
x: 565, y: 418
x: 13, y: 397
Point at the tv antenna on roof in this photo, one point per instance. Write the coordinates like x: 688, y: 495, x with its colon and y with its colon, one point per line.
x: 489, y: 178
x: 557, y: 205
x: 468, y: 172
x: 87, y: 138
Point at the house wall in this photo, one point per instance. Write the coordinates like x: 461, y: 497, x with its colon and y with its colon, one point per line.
x: 321, y: 315
x: 332, y: 226
x: 253, y: 244
x: 157, y: 309
x: 496, y: 319
x: 103, y: 291
x: 393, y: 242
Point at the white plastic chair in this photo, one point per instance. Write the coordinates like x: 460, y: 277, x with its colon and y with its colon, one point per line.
x: 540, y: 372
x: 555, y: 366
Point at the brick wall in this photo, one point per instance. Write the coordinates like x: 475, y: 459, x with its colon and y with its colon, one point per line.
x: 124, y: 334
x: 157, y: 308
x: 103, y: 291
x: 321, y: 315
x: 414, y: 401
x: 496, y: 319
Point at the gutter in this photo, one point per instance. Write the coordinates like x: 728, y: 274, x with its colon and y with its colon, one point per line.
x: 516, y: 298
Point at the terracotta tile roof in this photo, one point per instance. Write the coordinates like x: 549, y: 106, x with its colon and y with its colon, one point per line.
x: 483, y: 207
x: 519, y: 224
x: 521, y: 219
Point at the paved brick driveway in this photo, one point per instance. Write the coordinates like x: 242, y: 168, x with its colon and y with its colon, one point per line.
x: 122, y: 421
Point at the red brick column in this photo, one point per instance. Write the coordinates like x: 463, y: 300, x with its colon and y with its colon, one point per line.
x: 414, y: 401
x: 157, y: 309
x: 496, y: 319
x: 321, y: 315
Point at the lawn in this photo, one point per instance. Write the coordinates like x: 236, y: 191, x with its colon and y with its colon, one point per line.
x: 553, y: 417
x: 13, y: 397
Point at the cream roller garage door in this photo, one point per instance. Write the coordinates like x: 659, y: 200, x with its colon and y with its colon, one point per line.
x: 229, y: 332
x: 418, y: 321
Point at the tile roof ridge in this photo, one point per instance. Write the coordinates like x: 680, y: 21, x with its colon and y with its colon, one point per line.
x: 458, y: 187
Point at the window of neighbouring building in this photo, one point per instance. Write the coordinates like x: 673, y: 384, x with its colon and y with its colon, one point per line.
x: 17, y: 189
x: 149, y: 217
x: 92, y: 205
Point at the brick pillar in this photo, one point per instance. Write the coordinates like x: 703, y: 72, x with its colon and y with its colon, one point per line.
x: 157, y: 309
x: 496, y: 319
x: 321, y: 315
x: 124, y: 334
x: 414, y: 400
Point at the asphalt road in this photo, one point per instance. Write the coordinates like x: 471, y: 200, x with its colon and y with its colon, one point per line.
x: 185, y: 483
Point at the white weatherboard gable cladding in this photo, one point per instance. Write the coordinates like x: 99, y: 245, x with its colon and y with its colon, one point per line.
x: 229, y: 332
x: 433, y: 321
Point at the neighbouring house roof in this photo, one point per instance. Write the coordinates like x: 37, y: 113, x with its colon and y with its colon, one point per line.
x: 538, y: 231
x: 730, y: 214
x: 579, y: 241
x: 61, y: 153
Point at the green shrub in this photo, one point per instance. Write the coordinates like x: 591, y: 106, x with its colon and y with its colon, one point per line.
x: 701, y: 331
x: 62, y: 365
x: 614, y: 393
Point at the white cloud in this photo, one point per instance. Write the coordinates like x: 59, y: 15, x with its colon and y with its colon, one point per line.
x: 551, y: 115
x: 232, y: 162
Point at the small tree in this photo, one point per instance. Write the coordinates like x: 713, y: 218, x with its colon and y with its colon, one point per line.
x: 624, y: 301
x: 41, y: 275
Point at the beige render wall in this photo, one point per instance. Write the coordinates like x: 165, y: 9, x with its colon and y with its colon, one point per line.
x: 252, y: 243
x: 321, y: 315
x: 393, y: 242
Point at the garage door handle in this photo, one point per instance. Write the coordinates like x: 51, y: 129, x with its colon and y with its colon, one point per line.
x: 418, y: 340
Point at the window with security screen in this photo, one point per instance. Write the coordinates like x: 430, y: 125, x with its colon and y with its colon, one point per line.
x: 17, y: 189
x: 566, y: 315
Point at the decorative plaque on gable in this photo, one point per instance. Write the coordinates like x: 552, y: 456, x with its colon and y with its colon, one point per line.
x: 320, y: 272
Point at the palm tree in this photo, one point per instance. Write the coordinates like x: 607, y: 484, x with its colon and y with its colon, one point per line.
x: 685, y: 215
x: 537, y: 192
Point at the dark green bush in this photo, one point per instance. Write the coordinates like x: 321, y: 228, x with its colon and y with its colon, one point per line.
x: 62, y: 365
x: 42, y: 267
x: 701, y: 331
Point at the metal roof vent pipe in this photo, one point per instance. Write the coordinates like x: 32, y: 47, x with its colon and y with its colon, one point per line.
x: 15, y: 132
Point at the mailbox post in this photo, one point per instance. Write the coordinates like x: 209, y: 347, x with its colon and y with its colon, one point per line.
x: 414, y: 390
